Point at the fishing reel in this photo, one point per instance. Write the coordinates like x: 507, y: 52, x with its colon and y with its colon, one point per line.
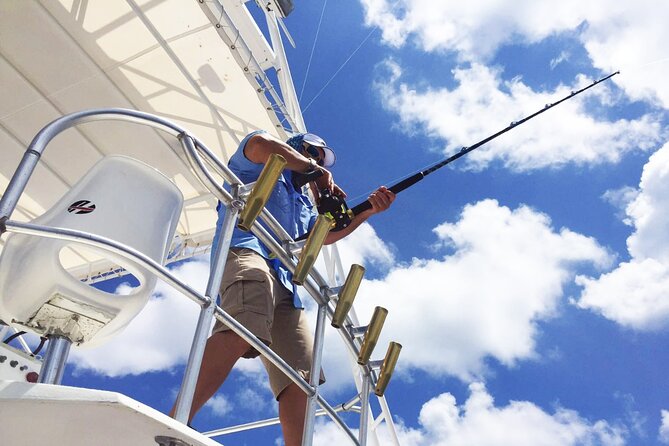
x: 331, y: 205
x: 336, y: 208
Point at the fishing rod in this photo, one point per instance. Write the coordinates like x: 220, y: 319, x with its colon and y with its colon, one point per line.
x: 337, y: 208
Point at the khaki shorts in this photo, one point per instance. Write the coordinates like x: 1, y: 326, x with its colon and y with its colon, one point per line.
x: 251, y: 293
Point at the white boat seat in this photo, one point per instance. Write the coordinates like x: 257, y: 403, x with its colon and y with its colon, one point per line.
x: 119, y: 198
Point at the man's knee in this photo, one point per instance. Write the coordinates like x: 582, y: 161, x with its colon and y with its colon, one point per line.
x: 291, y: 394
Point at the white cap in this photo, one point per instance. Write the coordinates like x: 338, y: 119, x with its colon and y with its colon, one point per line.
x: 317, y: 141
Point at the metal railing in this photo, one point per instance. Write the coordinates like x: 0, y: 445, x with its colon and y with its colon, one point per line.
x: 202, y: 160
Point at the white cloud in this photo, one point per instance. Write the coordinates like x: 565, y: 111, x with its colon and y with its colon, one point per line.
x: 505, y: 274
x: 474, y: 31
x: 483, y: 103
x: 159, y: 338
x: 664, y: 428
x: 620, y: 199
x: 219, y: 405
x: 255, y: 396
x: 635, y: 293
x: 478, y: 422
x: 613, y: 39
x: 364, y: 247
x: 563, y: 57
x: 328, y: 434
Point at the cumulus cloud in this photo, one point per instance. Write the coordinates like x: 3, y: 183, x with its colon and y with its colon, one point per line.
x: 479, y: 422
x: 613, y: 37
x: 474, y: 32
x: 664, y: 427
x: 635, y: 293
x: 483, y: 103
x: 497, y: 273
x: 502, y: 272
x: 365, y: 247
x: 563, y: 57
x: 620, y: 199
x: 219, y: 405
x: 159, y: 338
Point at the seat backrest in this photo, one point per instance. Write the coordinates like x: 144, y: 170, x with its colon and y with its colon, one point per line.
x: 119, y: 198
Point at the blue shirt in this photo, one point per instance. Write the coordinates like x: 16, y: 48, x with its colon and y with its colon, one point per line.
x: 292, y: 209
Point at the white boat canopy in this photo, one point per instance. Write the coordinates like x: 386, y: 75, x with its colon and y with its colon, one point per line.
x: 186, y: 61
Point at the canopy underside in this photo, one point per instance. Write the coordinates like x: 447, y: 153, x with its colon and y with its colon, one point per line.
x: 163, y: 57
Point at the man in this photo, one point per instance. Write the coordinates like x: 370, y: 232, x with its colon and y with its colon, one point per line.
x: 256, y: 288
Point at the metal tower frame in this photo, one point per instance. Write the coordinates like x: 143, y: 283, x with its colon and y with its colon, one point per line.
x: 324, y: 292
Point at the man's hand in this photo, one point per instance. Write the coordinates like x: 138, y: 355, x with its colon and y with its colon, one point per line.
x: 327, y: 182
x: 381, y: 199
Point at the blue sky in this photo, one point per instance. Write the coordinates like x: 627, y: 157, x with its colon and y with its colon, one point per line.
x: 526, y: 282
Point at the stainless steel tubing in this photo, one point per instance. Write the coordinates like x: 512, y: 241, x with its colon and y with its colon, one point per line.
x: 54, y: 360
x: 314, y: 284
x: 337, y: 419
x: 185, y: 398
x: 269, y: 422
x: 110, y: 245
x: 314, y: 377
x: 162, y: 273
x: 364, y: 404
x: 197, y: 164
x: 34, y: 151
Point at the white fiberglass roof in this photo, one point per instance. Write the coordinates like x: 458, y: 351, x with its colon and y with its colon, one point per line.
x: 165, y: 57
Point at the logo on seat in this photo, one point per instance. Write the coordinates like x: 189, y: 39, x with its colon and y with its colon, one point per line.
x: 81, y: 207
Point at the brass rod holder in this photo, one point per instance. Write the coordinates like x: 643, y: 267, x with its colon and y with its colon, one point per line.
x: 347, y: 294
x: 311, y: 249
x: 261, y: 191
x: 387, y: 368
x: 372, y: 335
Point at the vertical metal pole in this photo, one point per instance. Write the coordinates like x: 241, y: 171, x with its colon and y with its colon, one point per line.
x: 389, y: 420
x: 54, y: 360
x: 185, y: 398
x: 283, y: 74
x: 364, y: 406
x: 18, y: 183
x: 314, y: 378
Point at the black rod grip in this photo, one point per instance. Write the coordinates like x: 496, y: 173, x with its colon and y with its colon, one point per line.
x: 406, y: 183
x: 395, y: 188
x: 361, y: 207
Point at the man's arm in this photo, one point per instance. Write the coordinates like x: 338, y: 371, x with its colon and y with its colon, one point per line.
x: 381, y: 199
x: 259, y: 148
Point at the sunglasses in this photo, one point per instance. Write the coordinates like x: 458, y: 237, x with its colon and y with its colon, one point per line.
x: 314, y: 153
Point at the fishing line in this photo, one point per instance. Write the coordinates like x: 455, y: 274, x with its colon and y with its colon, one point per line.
x: 412, y: 178
x: 391, y: 181
x: 643, y: 65
x: 339, y: 69
x: 311, y: 56
x: 336, y: 208
x: 416, y: 177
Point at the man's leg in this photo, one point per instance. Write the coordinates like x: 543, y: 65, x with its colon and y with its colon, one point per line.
x: 222, y: 351
x: 292, y: 409
x: 292, y: 341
